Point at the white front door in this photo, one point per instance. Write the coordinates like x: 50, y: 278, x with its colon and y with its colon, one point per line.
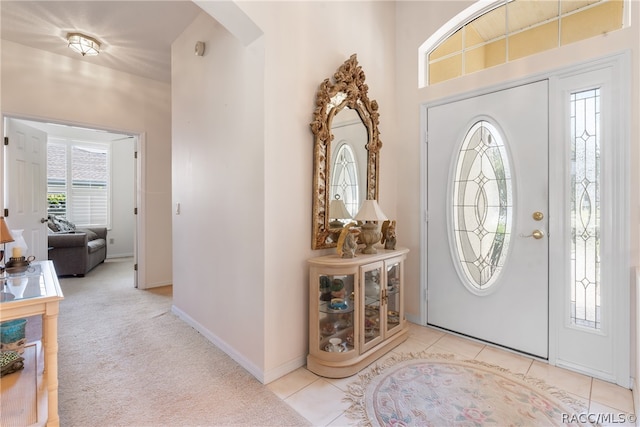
x: 25, y: 184
x: 487, y: 210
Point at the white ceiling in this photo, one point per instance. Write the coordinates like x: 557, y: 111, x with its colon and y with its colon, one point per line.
x: 136, y: 36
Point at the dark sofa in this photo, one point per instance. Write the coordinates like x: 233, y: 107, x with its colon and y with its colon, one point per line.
x: 76, y: 253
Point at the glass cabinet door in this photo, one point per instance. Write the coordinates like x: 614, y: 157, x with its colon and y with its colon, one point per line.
x: 370, y: 320
x: 393, y: 296
x: 336, y: 312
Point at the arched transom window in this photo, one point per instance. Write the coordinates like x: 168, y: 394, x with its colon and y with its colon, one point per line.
x: 483, y: 37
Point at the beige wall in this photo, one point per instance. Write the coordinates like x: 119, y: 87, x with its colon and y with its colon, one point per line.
x: 265, y: 242
x: 42, y: 85
x: 305, y: 42
x: 218, y: 181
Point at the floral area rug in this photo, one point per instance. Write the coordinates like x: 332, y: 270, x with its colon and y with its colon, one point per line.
x: 438, y: 390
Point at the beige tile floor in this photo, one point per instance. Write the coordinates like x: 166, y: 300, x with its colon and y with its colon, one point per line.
x: 319, y: 399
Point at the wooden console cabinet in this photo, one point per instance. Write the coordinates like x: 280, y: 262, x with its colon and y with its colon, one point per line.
x: 356, y: 310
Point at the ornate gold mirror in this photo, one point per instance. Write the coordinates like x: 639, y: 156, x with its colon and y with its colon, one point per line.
x: 346, y: 150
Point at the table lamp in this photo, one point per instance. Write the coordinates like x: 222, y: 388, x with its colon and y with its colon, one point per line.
x: 19, y: 246
x: 370, y: 234
x: 338, y: 211
x: 5, y: 236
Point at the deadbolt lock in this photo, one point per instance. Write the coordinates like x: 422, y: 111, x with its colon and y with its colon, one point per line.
x: 538, y: 216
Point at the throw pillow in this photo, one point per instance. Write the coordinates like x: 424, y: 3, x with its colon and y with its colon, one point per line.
x: 66, y: 225
x: 59, y: 224
x: 90, y: 235
x: 53, y: 226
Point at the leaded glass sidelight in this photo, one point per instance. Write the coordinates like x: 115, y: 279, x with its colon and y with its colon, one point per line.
x: 482, y: 205
x: 585, y: 208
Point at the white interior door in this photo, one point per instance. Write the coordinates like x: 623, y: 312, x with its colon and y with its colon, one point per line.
x: 487, y: 202
x: 25, y: 184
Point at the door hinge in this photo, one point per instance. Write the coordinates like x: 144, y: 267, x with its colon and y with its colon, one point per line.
x: 6, y: 212
x: 135, y: 267
x: 426, y: 137
x: 135, y: 211
x: 135, y: 154
x: 426, y: 216
x: 6, y: 140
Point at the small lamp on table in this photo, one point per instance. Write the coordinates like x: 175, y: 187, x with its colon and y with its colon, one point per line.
x: 5, y: 237
x: 338, y: 211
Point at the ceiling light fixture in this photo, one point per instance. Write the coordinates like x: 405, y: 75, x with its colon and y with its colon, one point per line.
x: 82, y: 44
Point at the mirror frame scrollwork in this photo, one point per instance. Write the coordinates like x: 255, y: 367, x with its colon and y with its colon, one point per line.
x: 348, y: 89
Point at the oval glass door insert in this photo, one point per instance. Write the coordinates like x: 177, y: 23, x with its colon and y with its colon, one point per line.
x: 482, y: 206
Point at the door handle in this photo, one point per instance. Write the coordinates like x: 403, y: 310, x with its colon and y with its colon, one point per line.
x: 43, y: 220
x: 536, y: 234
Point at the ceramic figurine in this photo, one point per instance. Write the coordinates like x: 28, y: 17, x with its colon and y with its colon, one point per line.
x: 350, y: 246
x: 347, y: 243
x: 389, y: 234
x: 337, y: 288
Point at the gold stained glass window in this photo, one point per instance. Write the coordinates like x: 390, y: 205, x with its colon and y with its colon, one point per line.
x: 518, y: 28
x: 482, y: 205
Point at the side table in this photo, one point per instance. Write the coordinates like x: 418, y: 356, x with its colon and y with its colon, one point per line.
x: 41, y: 296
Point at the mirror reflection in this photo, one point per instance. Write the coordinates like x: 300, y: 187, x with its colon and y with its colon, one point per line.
x: 348, y: 170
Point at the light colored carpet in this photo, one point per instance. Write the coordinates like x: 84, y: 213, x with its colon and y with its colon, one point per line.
x: 437, y: 390
x: 126, y: 360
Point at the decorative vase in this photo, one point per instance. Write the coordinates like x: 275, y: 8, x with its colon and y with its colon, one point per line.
x: 12, y: 335
x: 325, y: 288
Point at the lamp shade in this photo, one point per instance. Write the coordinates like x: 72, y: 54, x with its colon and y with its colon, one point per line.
x: 82, y: 44
x: 5, y: 234
x: 337, y: 210
x: 370, y: 211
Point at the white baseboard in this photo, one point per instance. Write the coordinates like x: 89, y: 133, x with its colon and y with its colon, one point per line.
x: 414, y: 319
x: 282, y: 370
x: 265, y: 377
x: 124, y: 255
x: 153, y: 285
x: 221, y: 344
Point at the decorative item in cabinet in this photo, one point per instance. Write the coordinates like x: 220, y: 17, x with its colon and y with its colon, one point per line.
x: 336, y: 311
x: 371, y: 321
x: 356, y: 310
x: 392, y: 295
